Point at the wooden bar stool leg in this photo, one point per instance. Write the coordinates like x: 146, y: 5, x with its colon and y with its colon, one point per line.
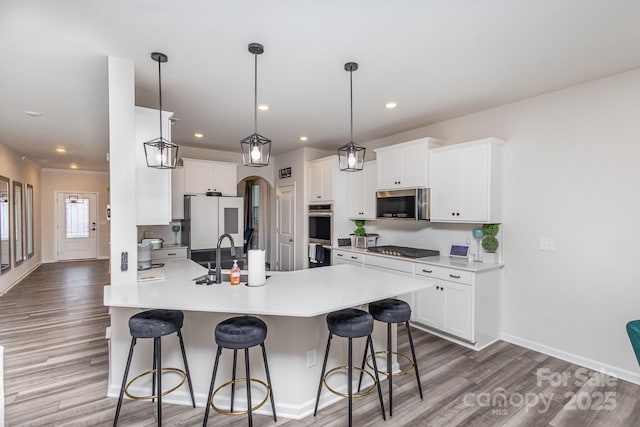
x: 266, y: 369
x: 213, y: 380
x: 324, y: 368
x: 124, y: 381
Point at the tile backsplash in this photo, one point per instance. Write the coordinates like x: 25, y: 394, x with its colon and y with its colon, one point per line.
x: 159, y: 231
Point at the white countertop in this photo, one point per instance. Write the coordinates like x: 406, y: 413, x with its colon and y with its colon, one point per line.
x: 300, y: 293
x: 443, y: 261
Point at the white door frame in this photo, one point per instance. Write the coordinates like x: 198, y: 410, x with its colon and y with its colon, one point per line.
x: 57, y: 219
x: 278, y: 190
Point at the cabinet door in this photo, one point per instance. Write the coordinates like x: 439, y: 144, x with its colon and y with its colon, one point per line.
x: 198, y: 176
x: 413, y: 167
x: 177, y: 193
x: 225, y: 176
x: 315, y: 182
x: 356, y: 197
x: 430, y: 306
x: 474, y: 183
x: 369, y: 194
x: 389, y: 169
x: 458, y: 310
x: 328, y: 169
x: 445, y: 185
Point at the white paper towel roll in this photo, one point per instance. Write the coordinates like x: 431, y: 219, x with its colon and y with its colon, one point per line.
x: 257, y: 274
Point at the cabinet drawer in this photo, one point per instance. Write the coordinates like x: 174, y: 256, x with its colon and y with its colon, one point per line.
x: 389, y: 263
x: 347, y: 256
x: 169, y: 253
x: 450, y: 274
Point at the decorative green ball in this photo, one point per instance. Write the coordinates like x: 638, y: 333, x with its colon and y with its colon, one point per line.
x: 360, y: 231
x: 490, y: 229
x: 359, y: 223
x: 490, y: 244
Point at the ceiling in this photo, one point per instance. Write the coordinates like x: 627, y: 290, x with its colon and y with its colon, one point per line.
x: 436, y: 59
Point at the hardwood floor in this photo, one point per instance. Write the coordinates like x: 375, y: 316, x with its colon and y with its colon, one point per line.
x: 56, y: 360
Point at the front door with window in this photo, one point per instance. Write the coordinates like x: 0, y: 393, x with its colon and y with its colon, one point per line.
x: 76, y: 224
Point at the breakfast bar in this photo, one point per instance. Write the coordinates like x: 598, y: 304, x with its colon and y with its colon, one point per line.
x: 292, y: 304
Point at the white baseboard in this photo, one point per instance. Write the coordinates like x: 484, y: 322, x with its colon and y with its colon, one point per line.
x: 623, y: 374
x: 19, y: 279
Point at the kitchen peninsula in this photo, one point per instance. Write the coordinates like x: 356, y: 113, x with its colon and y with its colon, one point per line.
x: 293, y: 305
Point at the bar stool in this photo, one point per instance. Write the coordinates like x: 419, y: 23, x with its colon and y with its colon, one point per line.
x: 239, y: 333
x: 155, y: 324
x: 350, y: 323
x: 392, y: 311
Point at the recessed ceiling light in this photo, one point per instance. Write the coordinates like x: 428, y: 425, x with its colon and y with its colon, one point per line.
x: 263, y: 107
x: 304, y: 138
x: 61, y: 150
x: 73, y: 166
x: 390, y: 105
x: 198, y: 135
x: 33, y: 113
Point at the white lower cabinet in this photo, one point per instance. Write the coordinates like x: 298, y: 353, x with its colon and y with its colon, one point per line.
x: 347, y: 257
x: 169, y: 253
x: 447, y: 306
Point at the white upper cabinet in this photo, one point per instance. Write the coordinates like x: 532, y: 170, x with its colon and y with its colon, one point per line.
x: 153, y: 186
x: 321, y: 179
x: 361, y: 187
x: 202, y: 176
x: 177, y: 193
x: 466, y: 182
x: 405, y: 165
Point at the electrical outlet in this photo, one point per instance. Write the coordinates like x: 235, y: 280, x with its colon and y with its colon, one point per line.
x: 547, y: 244
x: 124, y: 261
x: 311, y: 358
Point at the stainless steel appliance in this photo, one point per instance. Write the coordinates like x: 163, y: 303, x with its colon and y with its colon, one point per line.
x: 404, y: 251
x: 144, y: 256
x: 320, y: 219
x: 403, y: 204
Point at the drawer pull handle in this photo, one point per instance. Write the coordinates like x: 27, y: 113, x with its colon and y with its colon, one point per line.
x: 427, y: 271
x: 339, y: 254
x: 454, y: 276
x: 354, y: 257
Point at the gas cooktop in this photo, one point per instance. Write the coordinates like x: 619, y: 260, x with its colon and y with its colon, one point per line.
x: 403, y: 251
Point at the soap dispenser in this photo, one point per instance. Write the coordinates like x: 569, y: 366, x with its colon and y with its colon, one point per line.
x: 234, y: 274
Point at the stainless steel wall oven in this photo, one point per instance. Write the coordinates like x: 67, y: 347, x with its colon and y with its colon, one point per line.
x: 320, y: 219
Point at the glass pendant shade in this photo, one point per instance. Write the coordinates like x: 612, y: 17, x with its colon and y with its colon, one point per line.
x: 351, y: 157
x: 256, y: 148
x: 160, y: 153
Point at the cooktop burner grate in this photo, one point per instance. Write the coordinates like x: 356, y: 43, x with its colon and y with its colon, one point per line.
x: 403, y: 251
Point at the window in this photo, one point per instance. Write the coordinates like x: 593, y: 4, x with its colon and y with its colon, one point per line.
x: 77, y: 217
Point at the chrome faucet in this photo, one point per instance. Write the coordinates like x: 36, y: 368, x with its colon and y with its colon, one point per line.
x: 218, y: 262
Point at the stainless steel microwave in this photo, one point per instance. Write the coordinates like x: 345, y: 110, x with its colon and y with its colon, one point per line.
x: 403, y: 204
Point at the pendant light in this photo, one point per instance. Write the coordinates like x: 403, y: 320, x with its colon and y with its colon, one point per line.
x: 255, y: 148
x: 160, y: 152
x: 351, y: 156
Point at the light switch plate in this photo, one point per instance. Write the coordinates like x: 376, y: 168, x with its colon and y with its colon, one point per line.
x: 547, y: 244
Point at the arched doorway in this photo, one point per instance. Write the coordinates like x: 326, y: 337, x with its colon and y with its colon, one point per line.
x: 257, y: 193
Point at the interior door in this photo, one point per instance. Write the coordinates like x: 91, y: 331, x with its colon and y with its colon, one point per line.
x: 285, y: 228
x: 76, y: 225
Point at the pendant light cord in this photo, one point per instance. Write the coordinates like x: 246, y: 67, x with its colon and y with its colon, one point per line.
x: 351, y: 101
x: 255, y: 93
x: 160, y: 92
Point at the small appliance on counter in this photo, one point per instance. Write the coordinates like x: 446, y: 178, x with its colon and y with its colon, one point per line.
x: 144, y: 256
x: 155, y: 243
x: 364, y: 242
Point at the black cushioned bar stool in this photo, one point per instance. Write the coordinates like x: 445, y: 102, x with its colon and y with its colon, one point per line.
x: 240, y: 333
x: 155, y: 324
x: 392, y: 311
x: 350, y: 323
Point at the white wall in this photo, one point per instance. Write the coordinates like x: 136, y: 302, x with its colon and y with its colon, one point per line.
x: 54, y: 180
x: 14, y: 167
x: 571, y: 174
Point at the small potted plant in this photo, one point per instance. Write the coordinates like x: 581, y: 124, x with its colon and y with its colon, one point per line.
x: 360, y: 234
x: 490, y: 243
